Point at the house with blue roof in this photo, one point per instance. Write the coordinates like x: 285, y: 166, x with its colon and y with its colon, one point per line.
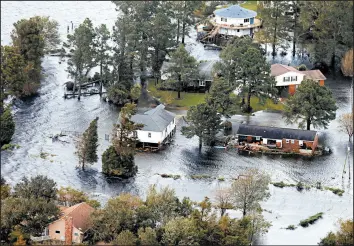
x: 232, y: 21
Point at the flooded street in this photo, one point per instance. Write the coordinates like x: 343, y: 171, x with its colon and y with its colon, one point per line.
x: 49, y: 113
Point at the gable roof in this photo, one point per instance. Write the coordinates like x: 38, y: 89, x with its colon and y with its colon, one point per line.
x: 205, y: 69
x: 80, y: 214
x: 276, y: 132
x: 313, y: 74
x: 279, y: 69
x: 235, y: 11
x: 155, y: 120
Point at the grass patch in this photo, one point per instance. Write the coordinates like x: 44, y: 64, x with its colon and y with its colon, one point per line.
x: 251, y: 5
x: 170, y: 97
x: 269, y: 105
x: 291, y: 227
x: 310, y: 220
x: 221, y: 179
x: 336, y: 191
x: 10, y: 146
x: 203, y: 176
x: 173, y: 176
x: 281, y: 184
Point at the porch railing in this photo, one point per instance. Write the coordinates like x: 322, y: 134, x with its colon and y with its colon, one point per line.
x: 41, y: 238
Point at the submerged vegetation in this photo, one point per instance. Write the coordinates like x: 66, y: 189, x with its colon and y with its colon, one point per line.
x: 312, y: 219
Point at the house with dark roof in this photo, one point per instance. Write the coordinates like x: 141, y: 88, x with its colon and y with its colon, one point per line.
x: 286, y: 139
x: 289, y: 78
x: 159, y: 127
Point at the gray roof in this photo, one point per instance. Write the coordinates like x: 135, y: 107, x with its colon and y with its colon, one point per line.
x: 276, y: 132
x: 155, y: 120
x: 235, y: 11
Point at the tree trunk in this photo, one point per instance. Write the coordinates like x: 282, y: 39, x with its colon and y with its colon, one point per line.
x: 243, y: 94
x: 183, y: 31
x: 200, y: 143
x: 178, y: 31
x: 78, y: 98
x: 275, y: 31
x: 223, y: 210
x: 101, y: 79
x: 249, y: 101
x: 308, y: 124
x: 295, y: 25
x: 179, y: 87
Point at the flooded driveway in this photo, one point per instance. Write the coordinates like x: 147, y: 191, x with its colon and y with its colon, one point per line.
x: 49, y: 113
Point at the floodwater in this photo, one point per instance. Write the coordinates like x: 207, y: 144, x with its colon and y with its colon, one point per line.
x: 49, y: 113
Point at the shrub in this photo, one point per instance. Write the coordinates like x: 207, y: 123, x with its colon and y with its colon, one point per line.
x: 336, y: 191
x: 299, y: 186
x: 221, y: 179
x: 176, y: 176
x: 114, y: 164
x: 203, y: 176
x: 302, y: 67
x: 310, y: 220
x: 7, y: 128
x: 10, y: 146
x: 291, y: 227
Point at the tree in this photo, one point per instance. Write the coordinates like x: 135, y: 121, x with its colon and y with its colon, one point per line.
x: 221, y: 96
x: 182, y: 69
x: 346, y: 124
x: 125, y: 238
x: 5, y: 189
x: 70, y: 197
x: 259, y: 82
x: 311, y: 104
x: 114, y: 164
x: 36, y: 187
x: 249, y: 190
x: 344, y: 236
x: 223, y: 200
x: 7, y: 128
x: 147, y: 236
x: 204, y: 122
x: 86, y: 145
x: 347, y: 70
x: 135, y: 93
x: 82, y: 52
x: 275, y: 23
x: 180, y: 231
x: 13, y: 76
x: 102, y: 46
x: 331, y: 27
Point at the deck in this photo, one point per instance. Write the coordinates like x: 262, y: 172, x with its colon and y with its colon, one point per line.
x: 257, y: 23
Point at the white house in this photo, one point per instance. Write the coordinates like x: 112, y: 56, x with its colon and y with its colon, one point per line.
x: 159, y: 127
x: 235, y: 21
x: 290, y: 78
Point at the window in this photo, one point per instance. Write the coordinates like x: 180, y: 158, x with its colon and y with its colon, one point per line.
x: 301, y: 143
x: 246, y: 20
x: 58, y: 232
x: 224, y: 19
x: 238, y: 30
x: 287, y: 141
x: 201, y: 83
x: 149, y: 134
x: 293, y: 78
x: 258, y: 138
x: 292, y: 141
x: 286, y: 79
x: 76, y: 234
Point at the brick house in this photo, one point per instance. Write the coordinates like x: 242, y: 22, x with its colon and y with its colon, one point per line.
x: 286, y: 139
x: 289, y: 78
x: 71, y: 225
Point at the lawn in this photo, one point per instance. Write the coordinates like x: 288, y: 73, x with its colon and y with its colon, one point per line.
x: 170, y: 97
x: 251, y: 5
x: 190, y: 99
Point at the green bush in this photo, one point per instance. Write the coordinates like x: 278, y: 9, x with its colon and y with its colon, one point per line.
x: 114, y: 164
x: 10, y: 146
x: 221, y: 179
x: 7, y: 128
x: 203, y: 176
x: 291, y: 227
x: 310, y: 220
x: 281, y: 184
x: 336, y: 191
x: 302, y: 67
x: 174, y: 176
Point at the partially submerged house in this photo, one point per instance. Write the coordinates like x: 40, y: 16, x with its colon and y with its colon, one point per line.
x: 71, y: 225
x: 230, y: 22
x: 159, y: 127
x: 289, y: 78
x: 286, y: 139
x: 200, y: 83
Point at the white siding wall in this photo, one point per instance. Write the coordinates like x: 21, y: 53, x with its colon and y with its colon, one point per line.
x: 156, y: 137
x: 234, y: 21
x: 280, y: 79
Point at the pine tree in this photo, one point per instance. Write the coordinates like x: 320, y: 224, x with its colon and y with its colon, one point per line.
x: 311, y: 104
x: 7, y: 128
x: 86, y: 145
x: 204, y: 122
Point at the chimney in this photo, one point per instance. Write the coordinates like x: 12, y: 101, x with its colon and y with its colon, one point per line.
x: 68, y: 230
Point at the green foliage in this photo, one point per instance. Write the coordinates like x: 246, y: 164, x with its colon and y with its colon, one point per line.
x: 291, y: 227
x: 118, y: 94
x: 86, y: 145
x: 102, y: 36
x: 281, y: 184
x: 174, y: 176
x: 203, y: 176
x: 36, y: 187
x: 180, y: 231
x: 302, y: 67
x: 183, y: 68
x: 329, y: 240
x: 147, y: 236
x: 70, y: 196
x: 124, y: 238
x: 114, y: 164
x: 135, y: 92
x: 10, y: 146
x: 312, y: 219
x: 344, y: 236
x: 311, y: 104
x: 336, y: 191
x: 204, y: 122
x: 7, y: 128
